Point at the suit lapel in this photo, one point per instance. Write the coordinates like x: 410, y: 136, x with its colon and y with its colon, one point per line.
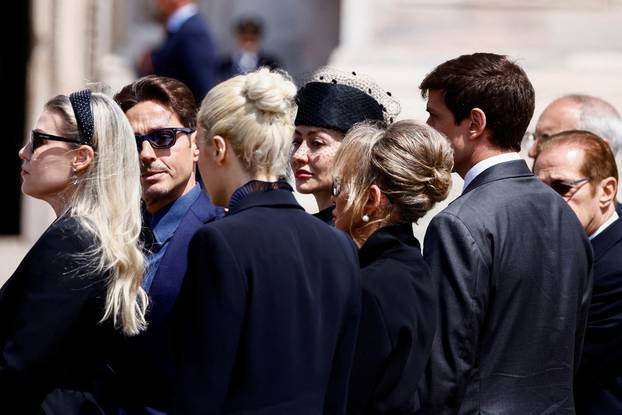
x: 170, y: 274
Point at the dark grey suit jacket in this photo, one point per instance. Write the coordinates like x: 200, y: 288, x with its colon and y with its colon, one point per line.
x: 513, y: 267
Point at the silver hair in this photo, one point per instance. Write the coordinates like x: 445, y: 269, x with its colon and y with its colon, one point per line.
x: 599, y: 117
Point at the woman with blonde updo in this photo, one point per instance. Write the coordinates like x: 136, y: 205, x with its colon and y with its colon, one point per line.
x: 270, y: 302
x: 386, y: 178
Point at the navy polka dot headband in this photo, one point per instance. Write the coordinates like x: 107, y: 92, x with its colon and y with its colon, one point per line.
x: 81, y: 104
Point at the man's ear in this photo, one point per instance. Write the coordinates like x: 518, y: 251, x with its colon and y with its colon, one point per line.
x: 194, y: 146
x: 82, y: 159
x: 477, y: 123
x: 609, y: 187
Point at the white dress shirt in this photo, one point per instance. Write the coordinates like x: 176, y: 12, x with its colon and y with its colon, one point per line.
x: 605, y: 225
x: 486, y: 164
x: 179, y: 17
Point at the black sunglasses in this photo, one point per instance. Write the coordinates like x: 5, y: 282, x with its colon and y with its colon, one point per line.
x: 161, y: 138
x: 564, y: 187
x: 37, y: 139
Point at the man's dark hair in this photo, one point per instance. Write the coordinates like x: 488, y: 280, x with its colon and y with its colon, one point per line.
x: 169, y: 92
x: 249, y: 25
x: 492, y: 83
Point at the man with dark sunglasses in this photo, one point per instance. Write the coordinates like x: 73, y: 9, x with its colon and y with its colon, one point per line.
x: 581, y: 168
x: 162, y: 112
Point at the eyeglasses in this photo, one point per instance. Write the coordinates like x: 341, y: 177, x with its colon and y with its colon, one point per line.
x: 336, y: 187
x: 564, y: 187
x: 531, y: 136
x: 37, y: 139
x: 161, y: 138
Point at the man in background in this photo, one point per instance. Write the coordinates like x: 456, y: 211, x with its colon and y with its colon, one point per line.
x: 580, y: 167
x: 579, y: 112
x: 247, y: 55
x: 188, y: 53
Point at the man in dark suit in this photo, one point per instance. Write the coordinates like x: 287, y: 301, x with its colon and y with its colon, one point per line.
x: 582, y: 169
x: 248, y: 54
x: 162, y: 112
x: 512, y: 263
x: 579, y: 112
x: 188, y: 53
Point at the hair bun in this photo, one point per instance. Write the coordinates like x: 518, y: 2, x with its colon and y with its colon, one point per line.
x: 270, y: 91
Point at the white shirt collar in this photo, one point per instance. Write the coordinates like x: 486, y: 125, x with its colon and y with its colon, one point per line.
x: 605, y: 225
x: 179, y: 17
x: 486, y: 164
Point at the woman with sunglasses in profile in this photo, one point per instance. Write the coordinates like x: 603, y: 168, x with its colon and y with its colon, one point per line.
x: 270, y: 303
x: 386, y: 178
x: 81, y: 279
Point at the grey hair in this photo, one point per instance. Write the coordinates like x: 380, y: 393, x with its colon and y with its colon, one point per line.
x: 599, y: 117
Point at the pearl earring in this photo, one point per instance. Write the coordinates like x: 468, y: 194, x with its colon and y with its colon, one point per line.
x: 365, y: 218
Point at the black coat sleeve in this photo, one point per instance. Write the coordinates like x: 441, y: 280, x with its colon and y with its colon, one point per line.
x: 41, y: 305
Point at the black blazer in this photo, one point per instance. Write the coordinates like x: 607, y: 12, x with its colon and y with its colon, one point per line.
x: 143, y: 365
x: 50, y: 336
x: 513, y: 267
x: 189, y: 55
x: 397, y: 323
x: 598, y: 384
x: 269, y: 310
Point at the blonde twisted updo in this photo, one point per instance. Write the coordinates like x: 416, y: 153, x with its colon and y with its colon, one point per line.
x: 255, y: 113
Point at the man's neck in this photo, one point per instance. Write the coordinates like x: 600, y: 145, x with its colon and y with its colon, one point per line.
x: 154, y: 205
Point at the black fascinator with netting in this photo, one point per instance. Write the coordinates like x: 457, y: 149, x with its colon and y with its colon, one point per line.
x: 337, y: 100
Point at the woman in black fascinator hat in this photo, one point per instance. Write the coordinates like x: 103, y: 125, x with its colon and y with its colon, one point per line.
x: 330, y: 102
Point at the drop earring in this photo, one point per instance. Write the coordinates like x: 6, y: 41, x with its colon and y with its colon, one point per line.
x: 365, y: 218
x: 75, y: 179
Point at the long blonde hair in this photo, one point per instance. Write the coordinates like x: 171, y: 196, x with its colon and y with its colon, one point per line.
x: 106, y: 202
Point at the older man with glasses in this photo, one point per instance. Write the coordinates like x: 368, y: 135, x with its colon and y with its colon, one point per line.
x: 162, y: 112
x: 580, y: 167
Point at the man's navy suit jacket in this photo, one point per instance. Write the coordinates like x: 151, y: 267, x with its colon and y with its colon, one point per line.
x: 598, y: 385
x: 189, y: 56
x: 144, y: 364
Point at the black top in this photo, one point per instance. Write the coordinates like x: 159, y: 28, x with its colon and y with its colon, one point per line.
x: 50, y: 334
x: 397, y: 323
x: 268, y: 312
x: 326, y: 215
